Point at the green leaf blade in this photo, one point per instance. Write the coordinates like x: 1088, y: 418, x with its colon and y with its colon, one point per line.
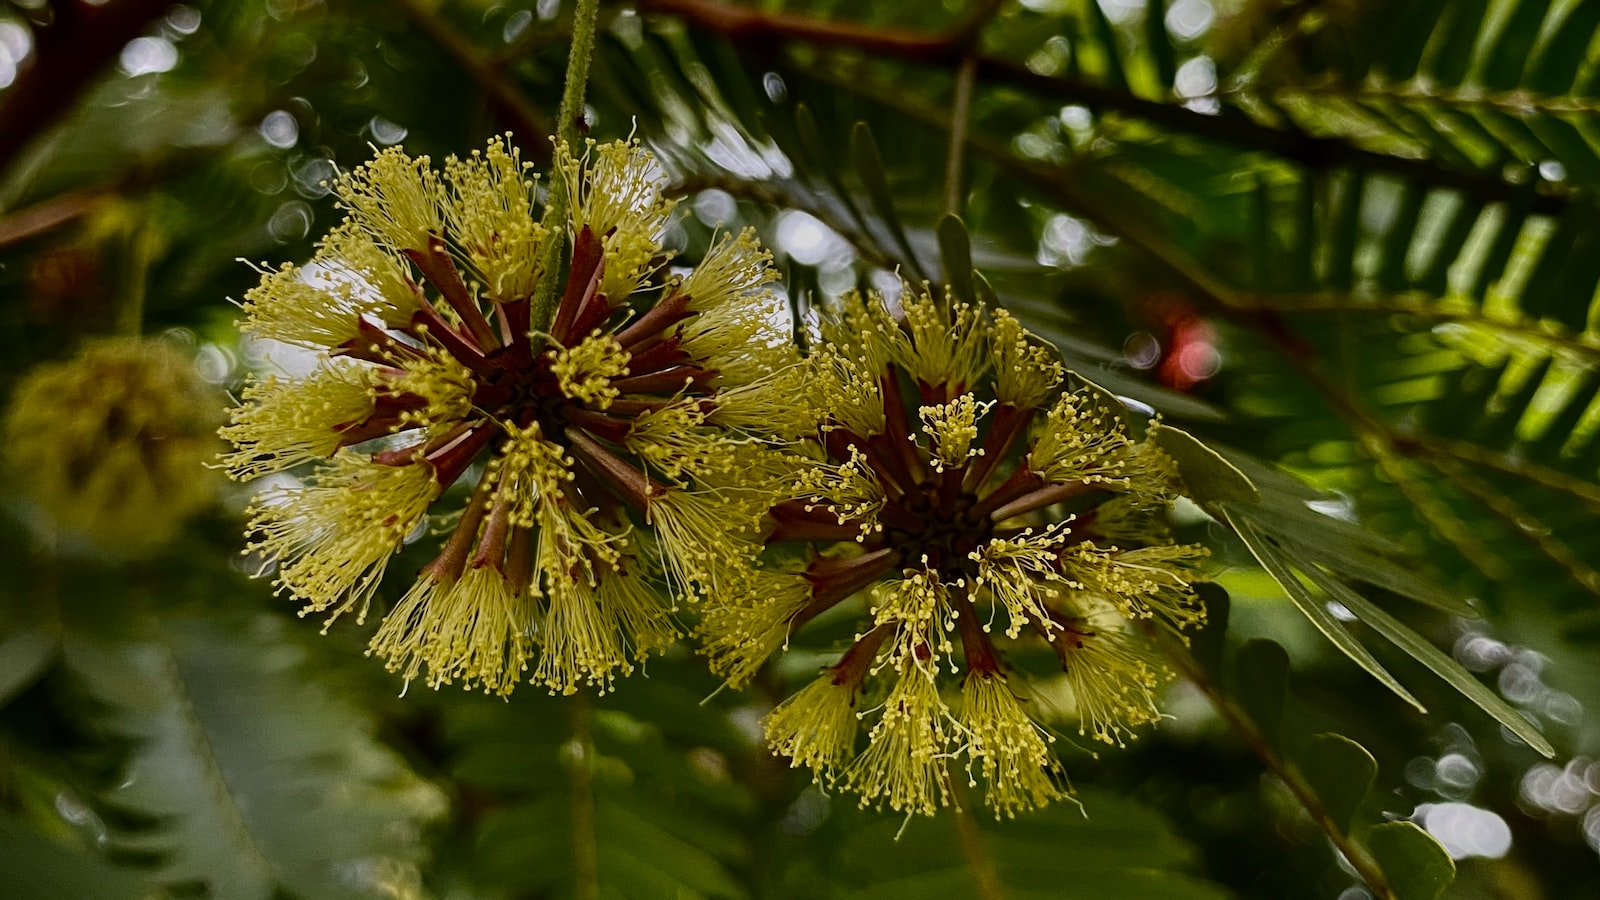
x: 1341, y: 772
x: 1416, y: 866
x: 1437, y: 661
x: 1313, y: 609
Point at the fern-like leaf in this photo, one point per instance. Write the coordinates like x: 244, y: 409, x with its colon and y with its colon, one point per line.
x: 255, y: 779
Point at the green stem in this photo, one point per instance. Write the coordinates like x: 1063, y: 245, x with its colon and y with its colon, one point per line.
x: 960, y: 119
x: 583, y: 29
x: 567, y: 132
x: 970, y: 839
x: 135, y: 250
x: 585, y: 853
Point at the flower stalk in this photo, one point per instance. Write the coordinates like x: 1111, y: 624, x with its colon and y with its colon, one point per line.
x: 585, y: 19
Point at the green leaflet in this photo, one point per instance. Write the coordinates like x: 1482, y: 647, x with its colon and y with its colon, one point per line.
x: 1437, y: 661
x: 33, y: 867
x: 1105, y: 39
x: 955, y: 250
x: 1504, y: 66
x: 1284, y: 570
x: 24, y: 655
x: 256, y: 779
x: 1417, y: 867
x: 1207, y: 645
x: 1162, y: 54
x: 1341, y: 772
x: 660, y: 827
x: 1345, y: 547
x: 1556, y: 66
x: 1210, y: 478
x: 813, y: 148
x: 1113, y: 849
x: 1280, y: 568
x: 1261, y: 684
x: 869, y: 168
x: 1216, y: 482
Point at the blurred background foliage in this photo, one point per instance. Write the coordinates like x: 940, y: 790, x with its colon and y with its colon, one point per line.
x: 1353, y: 245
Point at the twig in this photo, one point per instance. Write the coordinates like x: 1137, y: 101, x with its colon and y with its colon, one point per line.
x: 1234, y: 128
x: 584, y: 22
x: 48, y: 215
x: 1417, y: 306
x: 979, y: 862
x: 747, y: 24
x: 1519, y: 521
x: 585, y: 853
x: 1366, y: 869
x: 960, y: 121
x: 68, y: 56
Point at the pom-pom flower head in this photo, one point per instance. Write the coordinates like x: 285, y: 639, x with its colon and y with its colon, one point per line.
x: 976, y: 508
x: 112, y: 445
x: 586, y: 430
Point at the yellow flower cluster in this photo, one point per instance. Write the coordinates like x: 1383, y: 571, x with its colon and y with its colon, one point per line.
x: 111, y: 445
x: 945, y: 480
x: 660, y: 437
x: 568, y: 438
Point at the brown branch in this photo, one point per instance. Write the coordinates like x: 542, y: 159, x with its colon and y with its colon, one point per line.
x: 746, y: 24
x: 1434, y: 511
x: 68, y: 55
x: 1521, y: 522
x: 1419, y: 306
x: 1232, y: 128
x: 48, y: 215
x: 1236, y: 129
